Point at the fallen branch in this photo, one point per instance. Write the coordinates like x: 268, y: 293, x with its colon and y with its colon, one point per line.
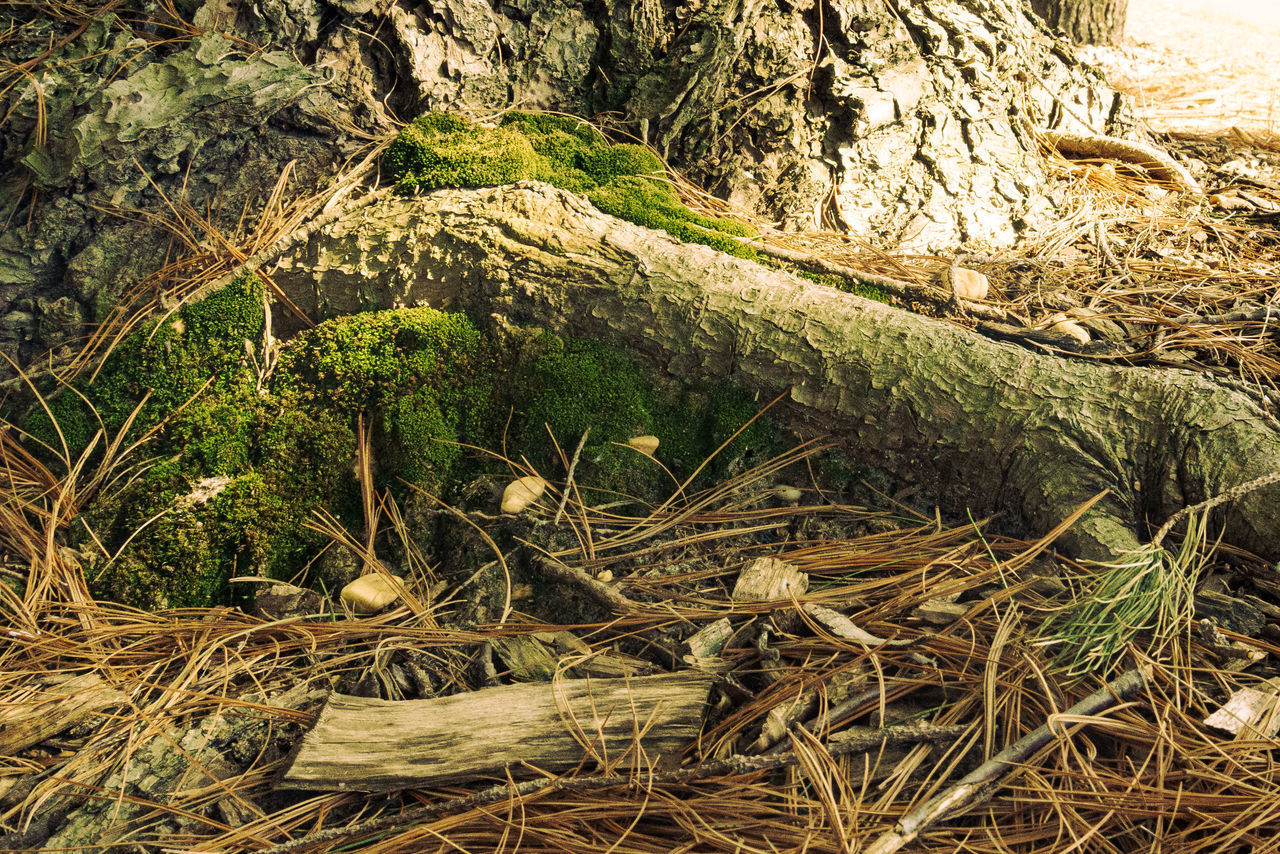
x: 1159, y: 164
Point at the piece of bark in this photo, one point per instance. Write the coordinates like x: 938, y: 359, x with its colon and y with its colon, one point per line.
x: 526, y: 658
x: 767, y: 579
x: 375, y: 745
x: 1253, y: 712
x: 940, y: 612
x: 706, y: 643
x: 46, y: 714
x: 279, y: 601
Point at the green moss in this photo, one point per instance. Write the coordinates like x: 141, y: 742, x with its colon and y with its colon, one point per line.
x: 185, y: 557
x: 604, y: 164
x: 234, y: 481
x: 626, y: 181
x: 200, y: 349
x: 421, y: 439
x: 73, y: 418
x: 304, y: 452
x: 363, y: 361
x: 579, y: 384
x: 840, y: 283
x: 700, y: 420
x: 239, y: 469
x: 576, y: 384
x: 537, y: 126
x: 571, y: 386
x: 444, y: 150
x: 215, y: 436
x: 652, y: 203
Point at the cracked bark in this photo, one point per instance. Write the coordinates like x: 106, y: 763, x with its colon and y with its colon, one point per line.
x: 990, y: 425
x: 1085, y: 21
x: 909, y: 124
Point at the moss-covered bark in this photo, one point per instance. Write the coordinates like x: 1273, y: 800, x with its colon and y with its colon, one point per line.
x: 992, y: 425
x: 241, y: 458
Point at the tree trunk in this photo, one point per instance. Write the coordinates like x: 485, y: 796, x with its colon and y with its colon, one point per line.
x: 907, y: 123
x: 1085, y: 21
x: 989, y: 425
x: 912, y: 123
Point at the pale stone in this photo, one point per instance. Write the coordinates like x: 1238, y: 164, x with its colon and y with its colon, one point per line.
x: 789, y: 494
x: 371, y: 593
x: 522, y: 492
x: 1064, y: 326
x: 969, y: 284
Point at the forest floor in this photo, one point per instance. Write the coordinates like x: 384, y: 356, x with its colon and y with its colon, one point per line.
x: 125, y: 731
x: 1200, y: 65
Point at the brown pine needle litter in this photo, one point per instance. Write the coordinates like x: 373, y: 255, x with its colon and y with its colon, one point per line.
x: 871, y: 732
x: 130, y: 731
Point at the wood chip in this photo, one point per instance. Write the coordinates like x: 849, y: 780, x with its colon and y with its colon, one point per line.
x: 841, y: 626
x: 707, y: 642
x: 940, y: 612
x: 767, y: 579
x: 1252, y: 712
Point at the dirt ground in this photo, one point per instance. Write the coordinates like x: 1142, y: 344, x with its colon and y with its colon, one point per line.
x: 1200, y: 65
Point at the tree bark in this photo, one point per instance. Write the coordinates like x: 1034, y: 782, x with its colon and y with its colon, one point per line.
x: 906, y: 123
x: 1085, y: 21
x: 990, y: 425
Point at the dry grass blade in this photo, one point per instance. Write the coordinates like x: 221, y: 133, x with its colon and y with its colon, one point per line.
x: 178, y: 669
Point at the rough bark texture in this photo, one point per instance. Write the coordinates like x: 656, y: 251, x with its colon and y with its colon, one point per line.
x: 908, y: 122
x: 991, y: 425
x: 1085, y: 21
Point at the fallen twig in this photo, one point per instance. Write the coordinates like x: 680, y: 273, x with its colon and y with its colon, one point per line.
x: 568, y: 483
x: 596, y: 589
x: 978, y: 785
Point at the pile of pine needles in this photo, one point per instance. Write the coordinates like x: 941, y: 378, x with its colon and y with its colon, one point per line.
x: 91, y: 693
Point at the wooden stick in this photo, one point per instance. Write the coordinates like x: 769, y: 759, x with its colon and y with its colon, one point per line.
x: 568, y: 483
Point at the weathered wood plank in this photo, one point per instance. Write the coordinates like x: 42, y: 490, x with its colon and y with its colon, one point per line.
x: 374, y: 745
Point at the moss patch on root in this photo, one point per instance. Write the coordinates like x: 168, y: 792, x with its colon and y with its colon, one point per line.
x: 237, y: 463
x: 627, y: 181
x: 444, y: 150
